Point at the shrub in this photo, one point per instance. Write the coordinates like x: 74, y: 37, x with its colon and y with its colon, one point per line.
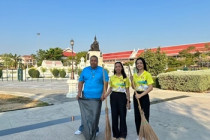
x: 36, y: 74
x: 30, y: 72
x: 0, y: 73
x: 194, y: 81
x: 170, y: 69
x: 33, y: 73
x: 55, y: 72
x: 62, y: 73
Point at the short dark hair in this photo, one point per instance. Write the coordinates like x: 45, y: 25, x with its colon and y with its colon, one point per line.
x: 122, y: 71
x: 143, y: 61
x: 94, y: 56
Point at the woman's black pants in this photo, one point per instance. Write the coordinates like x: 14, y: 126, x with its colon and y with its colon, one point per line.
x: 145, y: 105
x: 118, y: 103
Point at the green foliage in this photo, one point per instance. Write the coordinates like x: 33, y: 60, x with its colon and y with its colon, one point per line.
x: 43, y: 70
x: 1, y: 73
x: 54, y: 54
x: 62, y: 73
x: 7, y: 60
x: 189, y: 61
x: 171, y: 69
x: 174, y: 62
x: 55, y: 72
x: 51, y: 54
x: 156, y: 61
x: 76, y: 58
x: 190, y: 81
x: 197, y: 54
x: 189, y: 58
x: 40, y: 56
x: 130, y: 63
x: 79, y: 55
x: 34, y: 73
x: 15, y: 57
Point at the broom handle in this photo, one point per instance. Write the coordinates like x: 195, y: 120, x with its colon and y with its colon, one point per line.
x: 104, y: 84
x: 134, y: 88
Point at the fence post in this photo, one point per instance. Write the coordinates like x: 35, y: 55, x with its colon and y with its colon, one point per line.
x: 12, y: 74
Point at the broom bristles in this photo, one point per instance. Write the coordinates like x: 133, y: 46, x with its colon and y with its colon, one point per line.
x: 146, y: 132
x: 108, y: 127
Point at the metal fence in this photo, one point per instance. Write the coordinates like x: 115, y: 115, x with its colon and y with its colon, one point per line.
x: 12, y: 75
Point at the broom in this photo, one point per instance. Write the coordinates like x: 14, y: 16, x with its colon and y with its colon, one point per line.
x: 108, y: 127
x: 146, y: 132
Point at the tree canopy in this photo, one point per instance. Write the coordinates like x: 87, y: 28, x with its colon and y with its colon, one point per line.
x: 156, y: 61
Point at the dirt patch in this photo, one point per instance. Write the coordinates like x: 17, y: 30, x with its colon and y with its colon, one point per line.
x: 11, y: 102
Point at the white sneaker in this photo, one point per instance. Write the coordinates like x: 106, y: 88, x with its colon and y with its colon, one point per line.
x: 78, y: 132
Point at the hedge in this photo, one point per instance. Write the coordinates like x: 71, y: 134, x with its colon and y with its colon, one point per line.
x: 62, y: 73
x: 33, y: 73
x: 192, y: 81
x: 55, y: 72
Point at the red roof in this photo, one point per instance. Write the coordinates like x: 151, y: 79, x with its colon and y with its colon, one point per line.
x: 67, y: 54
x: 117, y: 55
x: 174, y: 50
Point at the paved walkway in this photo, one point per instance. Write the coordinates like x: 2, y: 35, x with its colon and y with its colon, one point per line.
x: 181, y: 116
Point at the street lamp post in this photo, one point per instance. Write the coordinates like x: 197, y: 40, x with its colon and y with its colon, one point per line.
x: 72, y: 62
x: 73, y: 83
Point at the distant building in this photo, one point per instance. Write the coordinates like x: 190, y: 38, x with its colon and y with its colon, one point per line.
x: 28, y: 60
x: 67, y: 52
x: 125, y: 56
x: 174, y: 50
x: 118, y: 56
x: 52, y: 64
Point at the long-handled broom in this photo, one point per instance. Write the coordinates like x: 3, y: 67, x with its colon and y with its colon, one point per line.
x: 146, y: 132
x: 108, y: 127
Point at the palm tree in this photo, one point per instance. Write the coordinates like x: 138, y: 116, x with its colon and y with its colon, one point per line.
x: 15, y: 57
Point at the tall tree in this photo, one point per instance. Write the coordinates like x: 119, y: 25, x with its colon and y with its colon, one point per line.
x: 15, y: 57
x: 40, y: 56
x: 79, y: 55
x: 174, y: 62
x: 7, y: 60
x: 54, y: 54
x: 156, y: 61
x: 76, y: 58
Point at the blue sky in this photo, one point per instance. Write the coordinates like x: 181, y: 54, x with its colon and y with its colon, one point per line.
x: 119, y: 25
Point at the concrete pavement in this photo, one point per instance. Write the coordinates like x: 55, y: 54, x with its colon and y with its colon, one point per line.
x: 182, y: 116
